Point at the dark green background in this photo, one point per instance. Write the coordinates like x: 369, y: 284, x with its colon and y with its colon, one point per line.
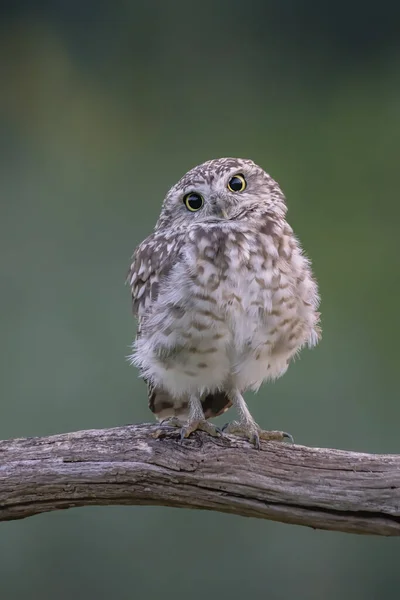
x: 103, y: 106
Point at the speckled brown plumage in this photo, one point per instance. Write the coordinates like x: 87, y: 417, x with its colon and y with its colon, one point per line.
x: 224, y: 296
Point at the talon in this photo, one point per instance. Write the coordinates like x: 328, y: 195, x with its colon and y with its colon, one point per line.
x: 173, y: 422
x: 186, y: 428
x: 158, y: 433
x: 246, y: 430
x: 254, y: 434
x: 275, y: 436
x: 201, y: 425
x: 256, y: 441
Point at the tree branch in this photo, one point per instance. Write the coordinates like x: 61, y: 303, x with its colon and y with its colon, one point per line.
x: 325, y: 489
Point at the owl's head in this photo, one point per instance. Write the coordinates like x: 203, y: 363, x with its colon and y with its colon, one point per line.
x: 224, y: 188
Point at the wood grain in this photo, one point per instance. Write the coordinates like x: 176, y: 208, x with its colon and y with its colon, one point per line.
x: 320, y: 488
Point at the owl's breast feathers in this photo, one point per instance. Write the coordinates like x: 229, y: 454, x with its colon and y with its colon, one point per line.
x: 221, y: 302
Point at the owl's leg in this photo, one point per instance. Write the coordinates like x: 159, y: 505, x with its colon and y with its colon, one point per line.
x: 247, y: 427
x: 196, y: 420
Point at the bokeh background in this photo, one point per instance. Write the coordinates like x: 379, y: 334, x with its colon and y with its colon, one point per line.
x: 103, y: 106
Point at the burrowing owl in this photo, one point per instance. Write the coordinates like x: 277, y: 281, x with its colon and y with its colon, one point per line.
x: 223, y: 294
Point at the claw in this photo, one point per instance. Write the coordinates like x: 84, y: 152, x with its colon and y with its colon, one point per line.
x: 187, y: 428
x: 253, y: 433
x: 288, y: 436
x: 202, y: 425
x: 171, y: 422
x: 164, y: 424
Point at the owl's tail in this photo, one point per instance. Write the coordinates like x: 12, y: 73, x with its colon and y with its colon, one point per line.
x: 163, y: 405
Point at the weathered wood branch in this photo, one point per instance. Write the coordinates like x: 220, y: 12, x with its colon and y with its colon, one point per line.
x: 320, y: 488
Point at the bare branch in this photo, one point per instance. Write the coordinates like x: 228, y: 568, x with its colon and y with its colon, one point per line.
x: 325, y: 489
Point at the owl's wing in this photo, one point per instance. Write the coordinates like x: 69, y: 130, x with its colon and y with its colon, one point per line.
x: 151, y: 263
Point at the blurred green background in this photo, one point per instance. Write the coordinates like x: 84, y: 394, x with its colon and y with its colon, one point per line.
x: 103, y: 106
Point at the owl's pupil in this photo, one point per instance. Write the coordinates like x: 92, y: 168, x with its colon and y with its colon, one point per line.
x: 194, y: 201
x: 236, y: 184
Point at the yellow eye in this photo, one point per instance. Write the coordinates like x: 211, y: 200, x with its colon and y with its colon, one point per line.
x: 193, y: 201
x: 237, y: 183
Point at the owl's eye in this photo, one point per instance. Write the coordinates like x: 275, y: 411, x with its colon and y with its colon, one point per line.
x: 237, y: 183
x: 193, y: 201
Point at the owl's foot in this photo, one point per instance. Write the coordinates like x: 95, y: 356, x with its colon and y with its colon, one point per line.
x: 188, y: 427
x: 254, y: 434
x: 202, y: 425
x: 164, y: 424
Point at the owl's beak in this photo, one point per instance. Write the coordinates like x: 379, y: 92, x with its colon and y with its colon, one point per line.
x: 218, y: 205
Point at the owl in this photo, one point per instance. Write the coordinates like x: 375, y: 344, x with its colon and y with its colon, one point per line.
x: 224, y: 298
